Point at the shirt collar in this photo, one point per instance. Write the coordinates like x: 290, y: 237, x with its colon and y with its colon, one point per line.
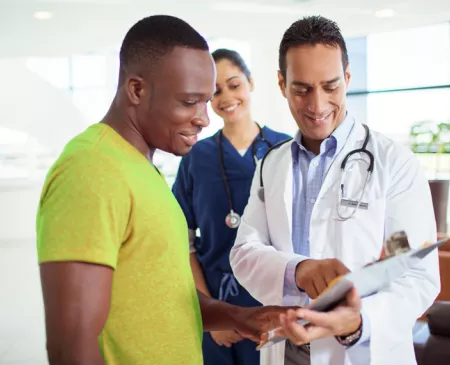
x: 335, y: 141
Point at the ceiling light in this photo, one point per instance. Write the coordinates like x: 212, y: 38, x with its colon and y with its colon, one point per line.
x: 384, y: 13
x: 43, y: 15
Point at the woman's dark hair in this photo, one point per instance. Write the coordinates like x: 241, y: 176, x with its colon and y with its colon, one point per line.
x: 233, y: 57
x: 311, y: 30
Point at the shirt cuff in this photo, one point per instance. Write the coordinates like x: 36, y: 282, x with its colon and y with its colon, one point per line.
x: 365, y: 333
x: 290, y: 288
x: 364, y: 337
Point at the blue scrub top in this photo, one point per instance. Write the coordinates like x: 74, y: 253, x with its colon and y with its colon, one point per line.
x: 200, y: 191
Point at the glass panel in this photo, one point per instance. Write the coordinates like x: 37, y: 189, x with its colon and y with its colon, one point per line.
x: 409, y: 58
x: 243, y: 48
x: 93, y: 103
x: 89, y: 71
x: 54, y: 70
x: 393, y: 114
x: 357, y: 55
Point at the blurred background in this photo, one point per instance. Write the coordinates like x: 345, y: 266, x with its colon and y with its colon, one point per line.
x: 58, y: 74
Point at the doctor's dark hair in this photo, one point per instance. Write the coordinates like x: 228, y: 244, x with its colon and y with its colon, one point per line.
x: 311, y: 30
x: 232, y: 56
x: 152, y: 38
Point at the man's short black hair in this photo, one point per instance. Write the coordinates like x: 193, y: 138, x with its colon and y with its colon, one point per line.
x: 153, y: 37
x: 311, y: 30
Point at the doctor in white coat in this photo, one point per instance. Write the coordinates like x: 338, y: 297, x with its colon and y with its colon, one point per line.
x: 299, y: 237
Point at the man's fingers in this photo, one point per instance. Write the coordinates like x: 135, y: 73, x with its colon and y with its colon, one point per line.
x: 315, y: 332
x: 320, y: 319
x: 291, y: 329
x: 353, y: 300
x: 310, y: 289
x: 235, y: 337
x: 320, y: 285
x: 341, y: 269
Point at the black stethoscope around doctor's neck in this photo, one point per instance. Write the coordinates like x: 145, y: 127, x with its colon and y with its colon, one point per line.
x: 233, y: 219
x: 354, y: 204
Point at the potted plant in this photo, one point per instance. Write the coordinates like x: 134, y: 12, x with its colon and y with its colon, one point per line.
x: 430, y: 141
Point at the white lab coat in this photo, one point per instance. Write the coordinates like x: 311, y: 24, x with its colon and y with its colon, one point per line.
x: 399, y: 199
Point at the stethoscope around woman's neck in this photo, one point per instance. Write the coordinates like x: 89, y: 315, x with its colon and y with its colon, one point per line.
x: 233, y: 219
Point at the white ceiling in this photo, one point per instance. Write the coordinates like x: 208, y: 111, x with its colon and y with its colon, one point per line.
x: 88, y: 25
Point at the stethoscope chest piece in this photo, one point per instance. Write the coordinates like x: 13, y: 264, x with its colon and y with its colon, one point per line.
x: 233, y: 219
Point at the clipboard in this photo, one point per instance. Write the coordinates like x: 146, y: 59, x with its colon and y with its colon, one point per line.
x: 368, y: 280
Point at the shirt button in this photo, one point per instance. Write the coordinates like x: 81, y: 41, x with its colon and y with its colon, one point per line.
x: 312, y: 200
x: 315, y: 163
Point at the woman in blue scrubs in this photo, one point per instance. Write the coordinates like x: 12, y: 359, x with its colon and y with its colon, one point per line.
x: 212, y: 187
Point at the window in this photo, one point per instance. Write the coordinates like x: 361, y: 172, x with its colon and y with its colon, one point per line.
x: 89, y: 71
x: 404, y: 75
x: 54, y: 70
x: 409, y: 58
x: 395, y: 113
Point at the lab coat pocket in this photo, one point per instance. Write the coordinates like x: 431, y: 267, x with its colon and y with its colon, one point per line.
x: 359, y: 239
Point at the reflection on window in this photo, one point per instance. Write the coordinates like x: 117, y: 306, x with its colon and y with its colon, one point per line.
x: 22, y: 157
x: 393, y: 114
x: 55, y: 70
x: 242, y: 47
x: 93, y: 103
x: 89, y: 71
x: 409, y: 58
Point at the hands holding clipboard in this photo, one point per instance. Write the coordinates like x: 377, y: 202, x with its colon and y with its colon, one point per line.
x: 340, y: 302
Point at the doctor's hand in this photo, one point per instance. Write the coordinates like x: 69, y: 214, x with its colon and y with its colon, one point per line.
x: 226, y: 338
x: 314, y: 276
x: 344, y: 320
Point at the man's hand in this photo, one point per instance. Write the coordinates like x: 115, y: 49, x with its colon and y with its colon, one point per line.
x: 226, y: 338
x: 252, y: 322
x: 341, y: 321
x: 314, y: 276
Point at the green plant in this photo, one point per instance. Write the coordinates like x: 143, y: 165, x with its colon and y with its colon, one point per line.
x: 430, y: 137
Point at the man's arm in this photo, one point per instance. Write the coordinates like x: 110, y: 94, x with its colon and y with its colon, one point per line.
x: 216, y: 315
x: 249, y: 322
x: 81, y: 224
x: 76, y: 300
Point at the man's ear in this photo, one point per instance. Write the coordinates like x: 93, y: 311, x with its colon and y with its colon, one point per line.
x: 282, y: 83
x: 347, y: 76
x: 135, y: 89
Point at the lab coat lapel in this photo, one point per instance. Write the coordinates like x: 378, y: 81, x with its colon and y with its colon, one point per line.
x: 354, y: 141
x: 287, y: 195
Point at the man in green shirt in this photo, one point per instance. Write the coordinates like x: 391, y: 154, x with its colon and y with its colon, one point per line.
x: 117, y: 283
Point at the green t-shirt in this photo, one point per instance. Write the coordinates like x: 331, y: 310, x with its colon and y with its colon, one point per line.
x: 104, y: 203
